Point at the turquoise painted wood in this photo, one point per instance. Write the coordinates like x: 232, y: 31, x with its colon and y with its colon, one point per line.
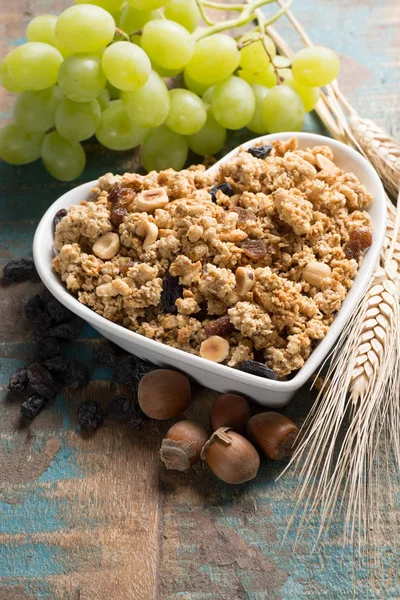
x: 91, y: 518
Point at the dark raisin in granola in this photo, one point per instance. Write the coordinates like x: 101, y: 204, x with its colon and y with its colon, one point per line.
x: 360, y: 240
x: 254, y: 249
x: 58, y: 312
x: 115, y: 194
x: 32, y: 407
x: 75, y: 375
x: 18, y: 381
x: 19, y: 269
x: 225, y: 188
x: 117, y: 216
x: 34, y: 307
x: 60, y: 214
x: 244, y: 214
x: 222, y: 327
x: 90, y: 415
x: 41, y: 381
x: 259, y: 369
x: 48, y: 347
x: 260, y: 151
x: 203, y: 312
x: 172, y: 290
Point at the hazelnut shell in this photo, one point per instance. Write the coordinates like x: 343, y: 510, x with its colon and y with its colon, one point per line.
x: 230, y: 410
x: 273, y: 433
x: 231, y: 457
x: 181, y: 447
x: 164, y: 394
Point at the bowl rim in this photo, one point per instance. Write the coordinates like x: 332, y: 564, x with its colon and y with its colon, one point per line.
x: 320, y: 352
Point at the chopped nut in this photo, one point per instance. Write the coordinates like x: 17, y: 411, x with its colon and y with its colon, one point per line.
x: 151, y: 232
x: 121, y: 287
x: 150, y: 200
x: 315, y: 272
x: 244, y: 214
x: 215, y: 348
x: 163, y: 233
x: 194, y: 233
x: 107, y: 246
x: 326, y: 164
x: 235, y: 236
x: 244, y: 280
x: 107, y: 289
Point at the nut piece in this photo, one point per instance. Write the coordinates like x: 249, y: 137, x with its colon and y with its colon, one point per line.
x: 150, y: 200
x: 326, y: 164
x: 244, y: 280
x: 107, y: 246
x: 273, y: 433
x: 164, y: 394
x: 194, y: 233
x: 315, y: 272
x: 151, y: 232
x: 215, y: 349
x: 230, y: 410
x: 181, y: 447
x: 106, y: 289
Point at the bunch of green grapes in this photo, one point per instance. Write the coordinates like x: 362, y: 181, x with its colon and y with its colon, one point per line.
x: 99, y: 69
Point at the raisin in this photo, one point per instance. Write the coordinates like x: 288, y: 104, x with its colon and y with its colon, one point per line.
x: 55, y: 364
x: 122, y: 408
x: 48, y: 347
x: 123, y: 371
x: 18, y: 381
x: 254, y: 249
x: 260, y: 151
x: 34, y: 307
x: 360, y: 240
x: 19, y: 269
x: 117, y: 216
x: 75, y: 375
x: 32, y: 407
x: 64, y: 331
x: 257, y: 368
x: 222, y: 327
x: 106, y: 353
x: 115, y: 193
x: 244, y: 214
x: 225, y: 188
x: 60, y: 214
x: 43, y: 324
x: 140, y: 368
x: 90, y: 415
x: 41, y: 381
x: 58, y: 312
x: 203, y: 312
x: 172, y: 290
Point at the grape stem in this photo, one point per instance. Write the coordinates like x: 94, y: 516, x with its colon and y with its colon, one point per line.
x: 263, y: 23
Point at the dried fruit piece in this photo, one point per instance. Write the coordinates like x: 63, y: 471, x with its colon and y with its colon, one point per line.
x: 140, y: 368
x: 41, y: 381
x: 221, y: 326
x: 48, y: 347
x: 244, y: 214
x: 58, y: 312
x: 225, y: 188
x: 76, y: 375
x: 260, y: 151
x: 244, y: 280
x: 43, y: 324
x: 254, y: 249
x: 117, y: 216
x: 215, y: 348
x: 32, y: 407
x: 257, y: 368
x: 122, y: 408
x: 90, y: 415
x: 172, y: 290
x: 19, y: 269
x: 115, y: 193
x: 107, y: 353
x: 55, y: 364
x: 123, y: 370
x: 58, y: 217
x: 107, y: 246
x: 65, y: 331
x: 360, y: 240
x: 18, y: 381
x: 33, y: 307
x: 315, y: 272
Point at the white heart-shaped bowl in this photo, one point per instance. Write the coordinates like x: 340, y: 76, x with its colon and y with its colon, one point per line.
x: 210, y: 374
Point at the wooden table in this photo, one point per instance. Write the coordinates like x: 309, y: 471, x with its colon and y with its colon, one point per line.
x: 100, y: 518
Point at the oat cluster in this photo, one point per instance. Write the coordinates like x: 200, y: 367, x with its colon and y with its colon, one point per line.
x: 260, y: 264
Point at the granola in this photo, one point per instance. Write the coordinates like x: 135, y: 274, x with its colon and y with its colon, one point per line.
x: 269, y: 252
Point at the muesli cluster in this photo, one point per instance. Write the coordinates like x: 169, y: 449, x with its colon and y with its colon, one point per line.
x: 248, y: 264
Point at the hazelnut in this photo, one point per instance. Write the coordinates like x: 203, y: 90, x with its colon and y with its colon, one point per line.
x: 230, y: 456
x: 164, y: 394
x: 273, y: 433
x: 194, y: 233
x: 315, y: 272
x: 230, y: 410
x: 107, y: 246
x: 151, y: 232
x: 244, y: 280
x: 182, y: 445
x: 150, y: 200
x: 325, y: 164
x: 215, y: 348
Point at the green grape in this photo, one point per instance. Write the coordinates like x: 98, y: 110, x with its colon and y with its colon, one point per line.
x: 208, y: 95
x: 184, y: 12
x: 149, y: 105
x: 165, y: 72
x: 209, y: 140
x: 126, y: 66
x: 285, y: 75
x: 19, y: 147
x: 65, y: 160
x: 77, y: 121
x: 133, y: 20
x: 116, y: 131
x: 111, y: 6
x: 282, y: 62
x: 187, y: 114
x: 254, y: 56
x: 147, y: 4
x: 103, y: 99
x: 309, y: 95
x: 194, y: 86
x: 6, y: 80
x: 34, y: 66
x: 164, y: 149
x: 85, y: 28
x: 267, y: 78
x: 214, y: 59
x: 81, y: 77
x: 233, y: 103
x: 316, y: 66
x: 257, y: 123
x: 283, y: 110
x: 42, y: 29
x: 167, y: 43
x: 36, y: 111
x: 114, y: 93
